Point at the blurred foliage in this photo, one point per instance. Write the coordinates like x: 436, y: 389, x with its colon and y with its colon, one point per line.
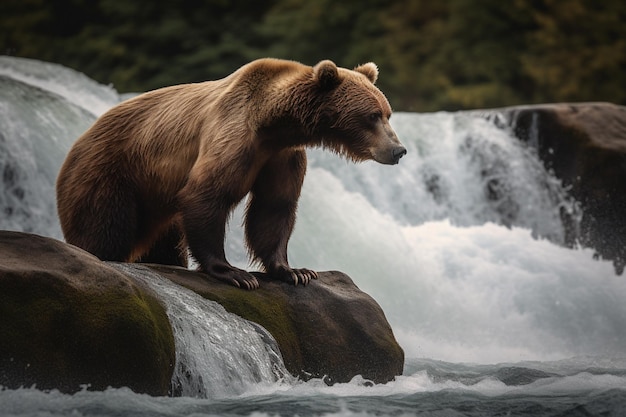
x: 433, y: 55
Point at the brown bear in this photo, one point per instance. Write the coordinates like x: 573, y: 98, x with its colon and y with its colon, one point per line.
x: 162, y: 171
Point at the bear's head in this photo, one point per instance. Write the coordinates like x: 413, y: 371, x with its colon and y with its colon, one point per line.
x: 354, y: 114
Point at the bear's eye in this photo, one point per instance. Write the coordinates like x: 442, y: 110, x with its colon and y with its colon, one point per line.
x: 374, y: 117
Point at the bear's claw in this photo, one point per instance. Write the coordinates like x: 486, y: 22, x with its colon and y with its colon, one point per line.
x: 233, y: 276
x: 301, y: 276
x: 245, y: 283
x: 293, y: 276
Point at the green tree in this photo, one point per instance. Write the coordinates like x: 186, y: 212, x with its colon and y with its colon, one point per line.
x: 310, y: 31
x: 136, y: 45
x: 433, y: 55
x: 576, y: 50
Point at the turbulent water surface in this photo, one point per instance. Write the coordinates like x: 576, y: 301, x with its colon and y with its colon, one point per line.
x: 462, y: 244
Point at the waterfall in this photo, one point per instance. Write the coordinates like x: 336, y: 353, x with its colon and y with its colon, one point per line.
x: 218, y: 354
x: 43, y: 109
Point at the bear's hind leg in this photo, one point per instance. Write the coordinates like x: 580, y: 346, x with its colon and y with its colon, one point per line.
x: 168, y: 249
x: 103, y: 223
x: 204, y: 219
x: 271, y: 215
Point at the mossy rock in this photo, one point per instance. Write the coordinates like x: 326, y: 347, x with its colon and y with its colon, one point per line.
x: 68, y: 320
x: 327, y: 329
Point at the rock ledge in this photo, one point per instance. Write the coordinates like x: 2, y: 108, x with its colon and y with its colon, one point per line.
x: 68, y: 319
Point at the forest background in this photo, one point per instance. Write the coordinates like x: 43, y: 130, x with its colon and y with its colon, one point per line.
x: 432, y: 54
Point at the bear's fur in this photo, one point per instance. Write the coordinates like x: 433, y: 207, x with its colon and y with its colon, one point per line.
x: 162, y: 171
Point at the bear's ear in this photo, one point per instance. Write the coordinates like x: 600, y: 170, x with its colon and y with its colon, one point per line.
x: 370, y: 70
x: 326, y: 74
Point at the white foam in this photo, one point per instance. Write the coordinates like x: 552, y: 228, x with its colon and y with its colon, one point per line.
x: 478, y: 293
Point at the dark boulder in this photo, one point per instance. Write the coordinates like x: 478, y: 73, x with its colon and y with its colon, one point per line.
x: 585, y: 145
x: 67, y: 319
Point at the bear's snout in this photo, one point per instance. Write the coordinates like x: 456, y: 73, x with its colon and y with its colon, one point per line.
x: 389, y: 154
x: 397, y: 153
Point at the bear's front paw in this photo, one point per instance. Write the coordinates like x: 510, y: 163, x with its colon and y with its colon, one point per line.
x: 243, y: 279
x: 233, y: 276
x: 294, y: 276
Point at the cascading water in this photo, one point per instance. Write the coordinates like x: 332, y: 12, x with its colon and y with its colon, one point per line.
x: 43, y: 109
x: 463, y: 168
x: 466, y: 244
x: 217, y: 353
x: 462, y: 245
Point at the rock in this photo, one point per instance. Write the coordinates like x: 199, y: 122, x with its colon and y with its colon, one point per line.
x: 328, y: 329
x: 585, y: 145
x: 68, y: 319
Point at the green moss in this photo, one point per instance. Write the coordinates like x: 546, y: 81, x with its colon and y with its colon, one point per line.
x: 142, y: 338
x: 269, y: 311
x: 60, y: 336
